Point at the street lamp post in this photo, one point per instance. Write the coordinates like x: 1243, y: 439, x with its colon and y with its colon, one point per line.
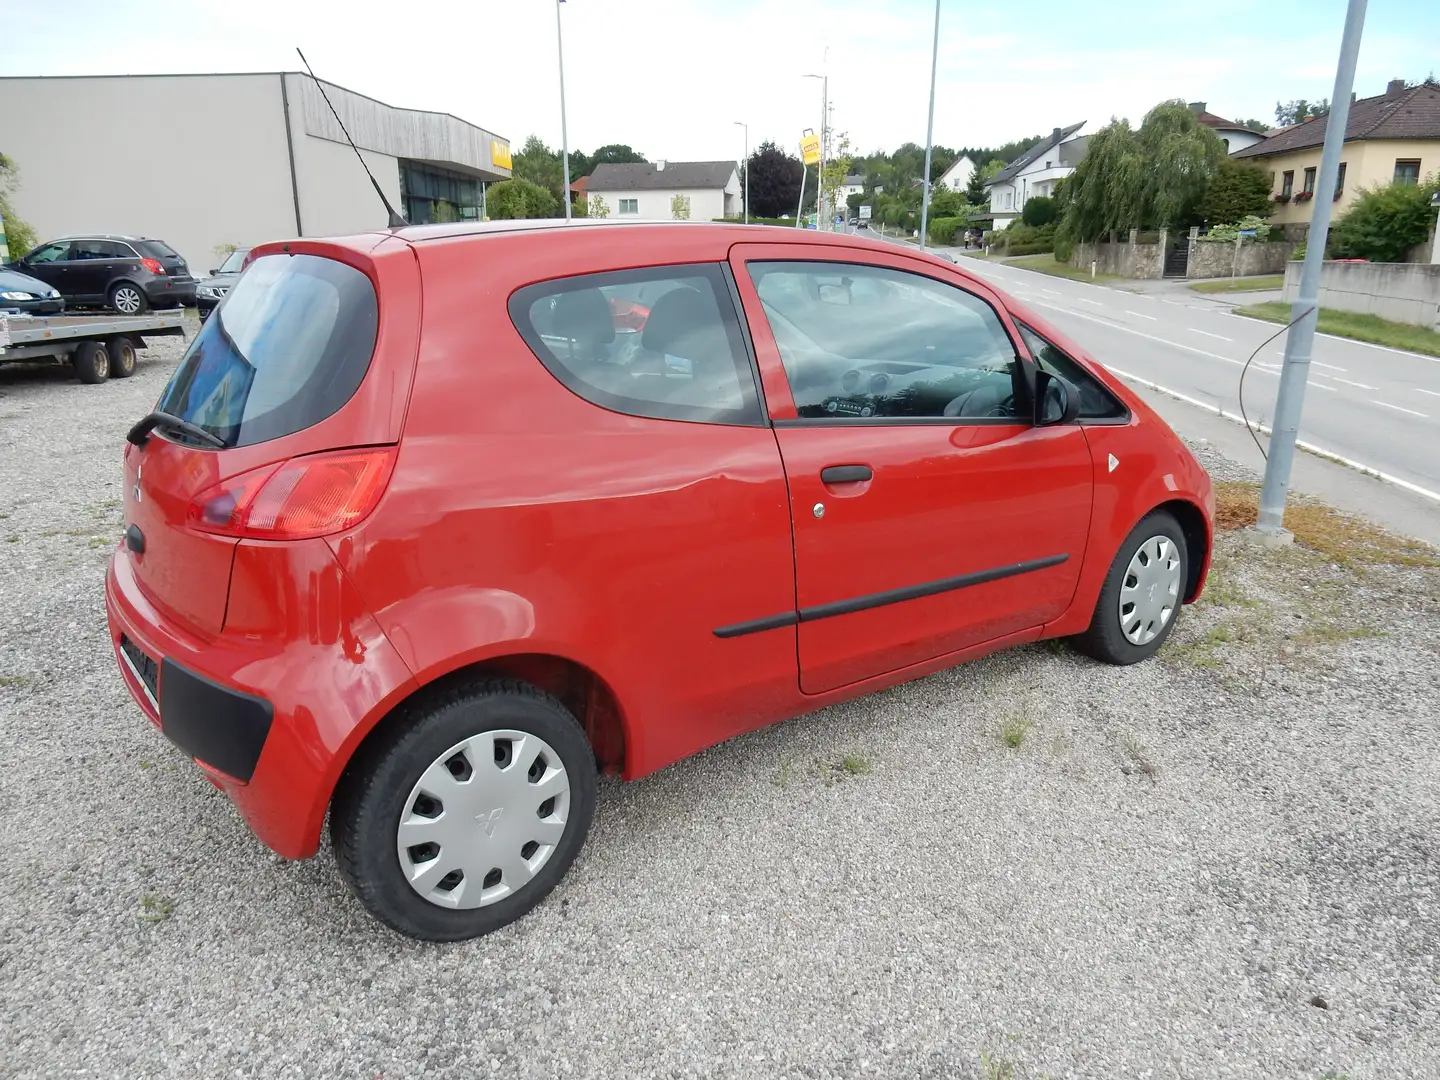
x: 564, y: 137
x: 930, y: 129
x: 747, y: 169
x: 824, y: 146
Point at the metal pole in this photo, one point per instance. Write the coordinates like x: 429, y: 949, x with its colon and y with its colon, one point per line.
x: 803, y: 170
x: 747, y: 169
x: 564, y: 137
x: 821, y: 222
x: 929, y: 130
x: 1300, y: 341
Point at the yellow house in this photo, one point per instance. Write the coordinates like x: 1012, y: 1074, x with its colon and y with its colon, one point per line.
x: 1392, y: 137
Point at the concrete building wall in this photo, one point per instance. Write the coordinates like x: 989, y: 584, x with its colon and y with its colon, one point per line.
x: 1401, y: 292
x: 335, y: 194
x: 1367, y: 163
x: 1131, y: 259
x: 1239, y: 140
x: 194, y: 160
x: 1213, y: 259
x: 706, y: 204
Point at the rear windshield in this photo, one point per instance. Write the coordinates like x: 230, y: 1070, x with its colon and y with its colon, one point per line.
x: 156, y: 250
x: 288, y: 346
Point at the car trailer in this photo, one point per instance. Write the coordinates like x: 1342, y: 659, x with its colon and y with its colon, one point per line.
x: 99, y: 347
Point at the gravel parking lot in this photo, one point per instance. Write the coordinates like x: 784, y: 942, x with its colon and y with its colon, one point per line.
x: 1219, y: 864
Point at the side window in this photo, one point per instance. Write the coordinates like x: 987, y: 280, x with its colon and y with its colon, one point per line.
x: 662, y: 342
x: 89, y: 250
x: 1096, y: 402
x: 48, y: 253
x: 868, y: 341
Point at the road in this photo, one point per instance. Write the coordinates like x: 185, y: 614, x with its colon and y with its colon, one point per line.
x: 1370, y: 406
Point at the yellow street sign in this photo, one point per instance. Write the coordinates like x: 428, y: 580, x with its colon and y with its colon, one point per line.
x: 810, y: 149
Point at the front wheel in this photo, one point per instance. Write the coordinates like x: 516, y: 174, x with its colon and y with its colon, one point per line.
x: 1141, y: 595
x: 466, y: 816
x: 127, y: 299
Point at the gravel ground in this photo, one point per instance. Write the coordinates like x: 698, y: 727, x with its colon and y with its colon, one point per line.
x: 1219, y: 864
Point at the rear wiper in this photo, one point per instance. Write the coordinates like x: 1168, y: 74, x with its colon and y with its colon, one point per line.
x: 140, y: 433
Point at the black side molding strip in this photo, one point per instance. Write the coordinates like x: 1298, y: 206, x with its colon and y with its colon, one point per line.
x: 754, y: 626
x: 890, y: 596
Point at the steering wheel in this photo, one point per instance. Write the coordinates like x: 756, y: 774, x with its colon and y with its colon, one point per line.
x: 988, y: 400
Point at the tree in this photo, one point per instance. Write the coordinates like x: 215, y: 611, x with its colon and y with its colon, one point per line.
x: 1256, y: 125
x: 982, y: 175
x: 616, y: 154
x: 836, y: 169
x: 19, y: 236
x: 1238, y: 189
x: 1299, y: 110
x: 1153, y: 177
x: 519, y: 198
x: 1429, y: 80
x: 1384, y: 223
x: 774, y: 181
x: 599, y: 208
x: 538, y: 164
x: 1039, y: 210
x: 680, y: 207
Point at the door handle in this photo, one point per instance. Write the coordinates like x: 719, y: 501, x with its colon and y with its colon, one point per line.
x: 845, y: 474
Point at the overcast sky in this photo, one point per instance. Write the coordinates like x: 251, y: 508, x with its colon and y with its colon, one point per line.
x: 670, y: 76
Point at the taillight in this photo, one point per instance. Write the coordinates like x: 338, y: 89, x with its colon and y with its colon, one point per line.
x: 296, y: 499
x: 153, y: 265
x: 628, y: 315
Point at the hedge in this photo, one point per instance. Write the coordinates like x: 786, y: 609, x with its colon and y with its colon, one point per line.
x: 1040, y: 247
x: 789, y: 223
x: 942, y: 230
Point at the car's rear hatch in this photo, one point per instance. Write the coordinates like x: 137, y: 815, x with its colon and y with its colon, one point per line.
x: 166, y: 256
x: 267, y: 382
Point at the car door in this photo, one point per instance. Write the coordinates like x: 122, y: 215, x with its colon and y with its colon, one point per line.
x: 930, y: 513
x: 92, y: 264
x: 50, y: 263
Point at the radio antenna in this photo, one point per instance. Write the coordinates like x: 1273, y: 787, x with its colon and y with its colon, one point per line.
x: 396, y: 221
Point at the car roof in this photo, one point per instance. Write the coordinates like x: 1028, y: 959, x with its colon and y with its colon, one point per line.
x: 103, y: 236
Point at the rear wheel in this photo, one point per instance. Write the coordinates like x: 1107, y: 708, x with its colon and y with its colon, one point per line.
x: 128, y: 299
x: 469, y: 814
x: 1142, y: 594
x: 92, y: 362
x: 123, y: 357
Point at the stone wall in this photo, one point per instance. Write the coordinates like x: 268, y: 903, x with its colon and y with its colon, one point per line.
x: 1401, y: 292
x: 1130, y: 259
x: 1212, y: 259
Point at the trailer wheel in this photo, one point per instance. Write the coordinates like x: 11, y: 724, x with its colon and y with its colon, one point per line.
x: 92, y: 362
x: 122, y: 356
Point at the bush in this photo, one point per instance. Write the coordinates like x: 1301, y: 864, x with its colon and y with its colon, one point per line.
x: 1021, y: 235
x: 1064, y: 246
x: 942, y: 230
x: 1385, y: 222
x: 518, y: 198
x: 789, y: 222
x: 1227, y: 234
x: 1040, y: 210
x: 1040, y: 247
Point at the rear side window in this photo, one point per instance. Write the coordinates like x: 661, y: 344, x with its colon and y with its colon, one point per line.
x: 1096, y: 402
x: 157, y: 250
x: 662, y: 342
x: 289, y: 345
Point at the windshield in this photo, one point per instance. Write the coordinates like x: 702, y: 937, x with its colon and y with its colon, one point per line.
x: 287, y: 347
x: 157, y: 249
x: 234, y: 262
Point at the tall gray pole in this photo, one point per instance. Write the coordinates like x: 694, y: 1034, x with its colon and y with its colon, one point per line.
x: 930, y: 129
x: 822, y: 221
x: 1300, y: 341
x: 564, y: 137
x: 747, y: 169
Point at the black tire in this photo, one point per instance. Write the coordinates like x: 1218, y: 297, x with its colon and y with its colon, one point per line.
x: 128, y: 299
x: 374, y: 790
x: 123, y: 357
x: 1105, y: 638
x: 91, y: 361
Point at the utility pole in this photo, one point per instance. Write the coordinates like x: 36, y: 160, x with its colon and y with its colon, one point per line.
x: 824, y: 143
x: 1300, y: 341
x: 564, y: 137
x: 929, y: 130
x: 747, y: 169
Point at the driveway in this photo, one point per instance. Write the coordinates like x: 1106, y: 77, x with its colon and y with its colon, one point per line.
x: 1222, y: 863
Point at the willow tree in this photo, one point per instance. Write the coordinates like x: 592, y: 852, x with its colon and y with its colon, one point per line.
x: 1150, y: 178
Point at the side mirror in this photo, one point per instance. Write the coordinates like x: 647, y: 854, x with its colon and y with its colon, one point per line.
x: 1056, y: 401
x: 214, y: 272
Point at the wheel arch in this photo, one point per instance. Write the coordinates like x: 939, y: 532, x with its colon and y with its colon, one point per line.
x: 1196, y: 529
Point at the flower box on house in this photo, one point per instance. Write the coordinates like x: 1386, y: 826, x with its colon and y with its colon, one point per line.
x: 1304, y: 196
x: 1282, y: 198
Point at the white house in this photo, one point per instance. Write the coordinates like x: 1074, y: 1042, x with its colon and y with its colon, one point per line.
x: 1234, y: 136
x: 646, y: 190
x: 1035, y: 172
x: 957, y: 176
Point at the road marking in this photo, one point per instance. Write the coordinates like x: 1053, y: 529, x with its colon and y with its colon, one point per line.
x: 1083, y: 300
x: 1049, y: 292
x: 1322, y: 386
x: 1432, y: 393
x: 1140, y: 333
x: 1356, y: 341
x: 1138, y: 315
x: 1314, y: 449
x: 1397, y: 408
x: 1347, y: 382
x: 1332, y: 367
x: 1208, y: 334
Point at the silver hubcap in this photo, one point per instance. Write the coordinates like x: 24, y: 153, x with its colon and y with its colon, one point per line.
x: 483, y: 819
x: 127, y: 300
x: 1150, y: 591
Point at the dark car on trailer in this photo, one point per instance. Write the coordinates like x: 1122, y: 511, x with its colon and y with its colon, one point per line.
x: 128, y: 274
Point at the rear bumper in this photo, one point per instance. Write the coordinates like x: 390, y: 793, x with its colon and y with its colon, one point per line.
x: 167, y: 292
x: 271, y: 719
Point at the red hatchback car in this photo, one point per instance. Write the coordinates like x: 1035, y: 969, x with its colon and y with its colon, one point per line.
x: 429, y: 525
